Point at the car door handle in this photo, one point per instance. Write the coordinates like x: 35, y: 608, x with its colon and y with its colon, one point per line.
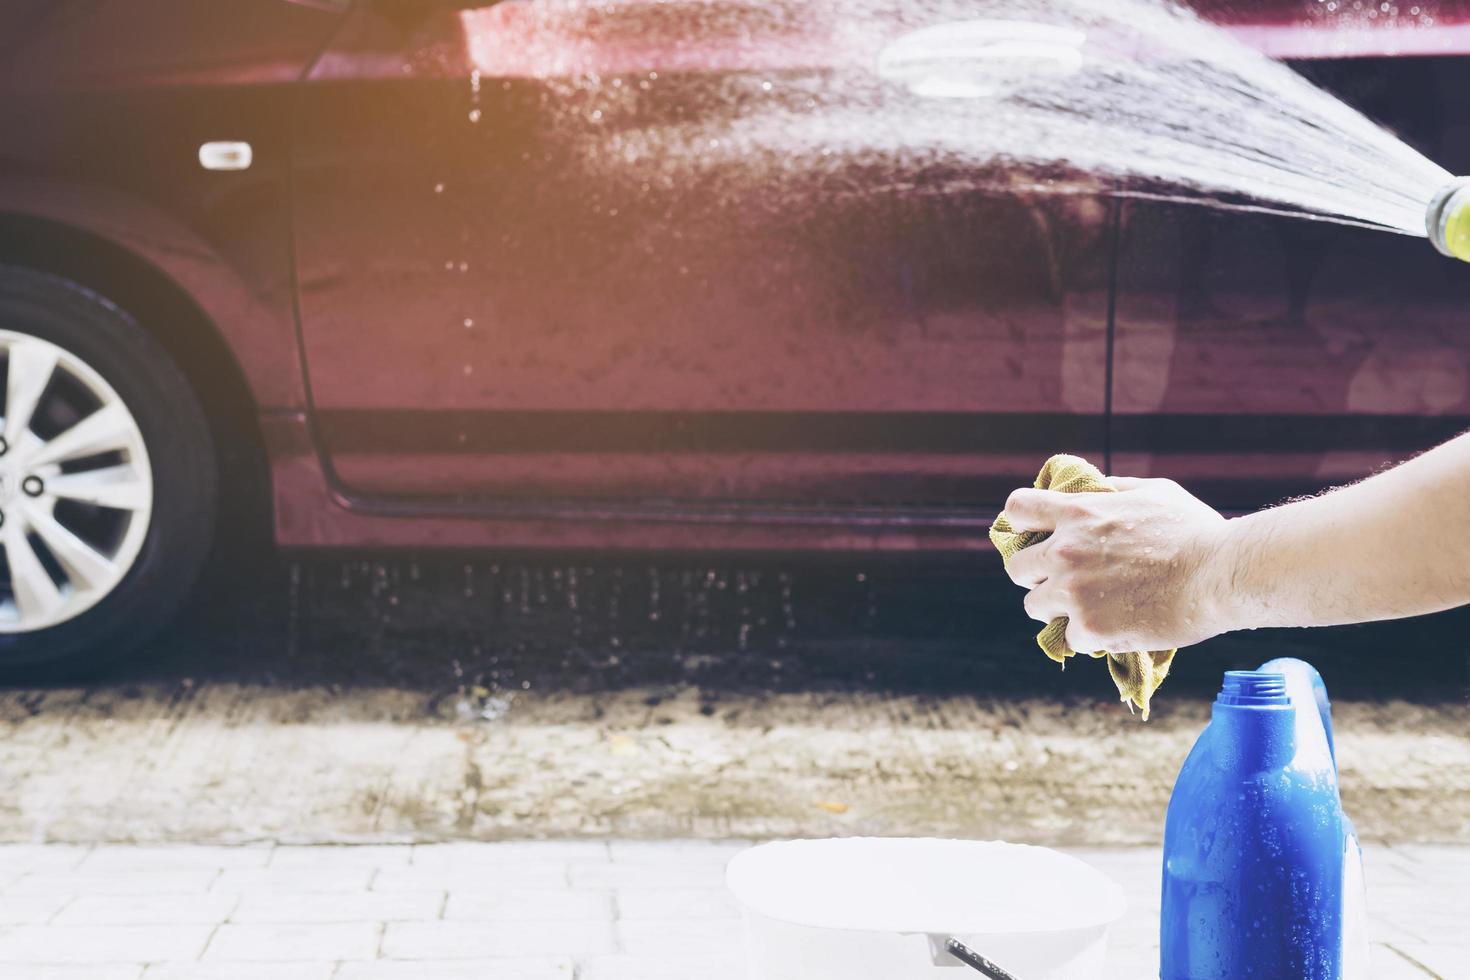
x: 226, y: 155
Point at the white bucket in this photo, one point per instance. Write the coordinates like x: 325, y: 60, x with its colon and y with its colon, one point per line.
x: 872, y: 908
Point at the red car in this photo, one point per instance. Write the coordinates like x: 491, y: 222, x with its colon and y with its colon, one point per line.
x: 607, y: 275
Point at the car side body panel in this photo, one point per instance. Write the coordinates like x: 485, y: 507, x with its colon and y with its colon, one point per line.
x: 594, y: 419
x: 518, y: 292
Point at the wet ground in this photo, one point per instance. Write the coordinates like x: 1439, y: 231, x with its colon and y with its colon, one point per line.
x: 928, y: 627
x: 434, y: 697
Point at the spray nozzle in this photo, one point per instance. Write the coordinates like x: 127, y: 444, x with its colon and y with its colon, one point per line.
x: 1448, y: 219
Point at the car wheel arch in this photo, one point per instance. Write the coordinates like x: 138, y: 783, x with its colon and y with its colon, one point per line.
x: 167, y: 311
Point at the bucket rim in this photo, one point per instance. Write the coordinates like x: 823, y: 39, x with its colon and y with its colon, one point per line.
x: 1108, y: 910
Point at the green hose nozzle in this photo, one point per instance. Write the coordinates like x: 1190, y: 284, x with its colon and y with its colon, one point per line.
x: 1448, y: 219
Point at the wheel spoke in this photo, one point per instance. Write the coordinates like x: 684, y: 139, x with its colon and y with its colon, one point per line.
x: 98, y: 460
x: 117, y: 487
x: 84, y: 565
x: 30, y: 370
x: 36, y: 597
x: 109, y: 428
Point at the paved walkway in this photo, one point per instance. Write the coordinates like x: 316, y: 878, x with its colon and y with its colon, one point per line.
x: 521, y: 911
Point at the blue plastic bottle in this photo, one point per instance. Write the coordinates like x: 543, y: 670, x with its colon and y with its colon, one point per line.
x: 1309, y: 695
x: 1255, y: 843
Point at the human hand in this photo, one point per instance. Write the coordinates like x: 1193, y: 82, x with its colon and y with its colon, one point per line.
x: 1140, y: 569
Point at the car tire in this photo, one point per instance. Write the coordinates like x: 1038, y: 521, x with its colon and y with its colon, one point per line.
x: 99, y: 358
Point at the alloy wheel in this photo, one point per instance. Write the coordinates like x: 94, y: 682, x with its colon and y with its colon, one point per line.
x: 76, y: 486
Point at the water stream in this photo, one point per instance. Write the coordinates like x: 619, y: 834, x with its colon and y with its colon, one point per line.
x: 1147, y: 92
x: 1132, y: 97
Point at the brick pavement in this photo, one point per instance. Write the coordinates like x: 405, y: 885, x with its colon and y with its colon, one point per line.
x: 522, y: 911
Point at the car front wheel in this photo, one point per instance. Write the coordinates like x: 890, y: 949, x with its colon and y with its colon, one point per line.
x: 107, y: 478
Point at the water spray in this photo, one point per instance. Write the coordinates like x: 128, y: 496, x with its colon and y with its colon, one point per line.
x: 1149, y: 94
x: 1448, y: 219
x: 981, y: 58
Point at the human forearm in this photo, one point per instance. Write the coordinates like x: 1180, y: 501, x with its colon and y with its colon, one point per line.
x: 1152, y: 568
x: 1394, y: 545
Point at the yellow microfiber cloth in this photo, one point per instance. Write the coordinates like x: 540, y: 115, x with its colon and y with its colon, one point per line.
x: 1137, y: 674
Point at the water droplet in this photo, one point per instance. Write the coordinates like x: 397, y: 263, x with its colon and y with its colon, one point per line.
x: 474, y: 115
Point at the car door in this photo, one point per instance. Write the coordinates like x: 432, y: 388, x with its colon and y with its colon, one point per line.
x: 1260, y: 357
x: 643, y: 252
